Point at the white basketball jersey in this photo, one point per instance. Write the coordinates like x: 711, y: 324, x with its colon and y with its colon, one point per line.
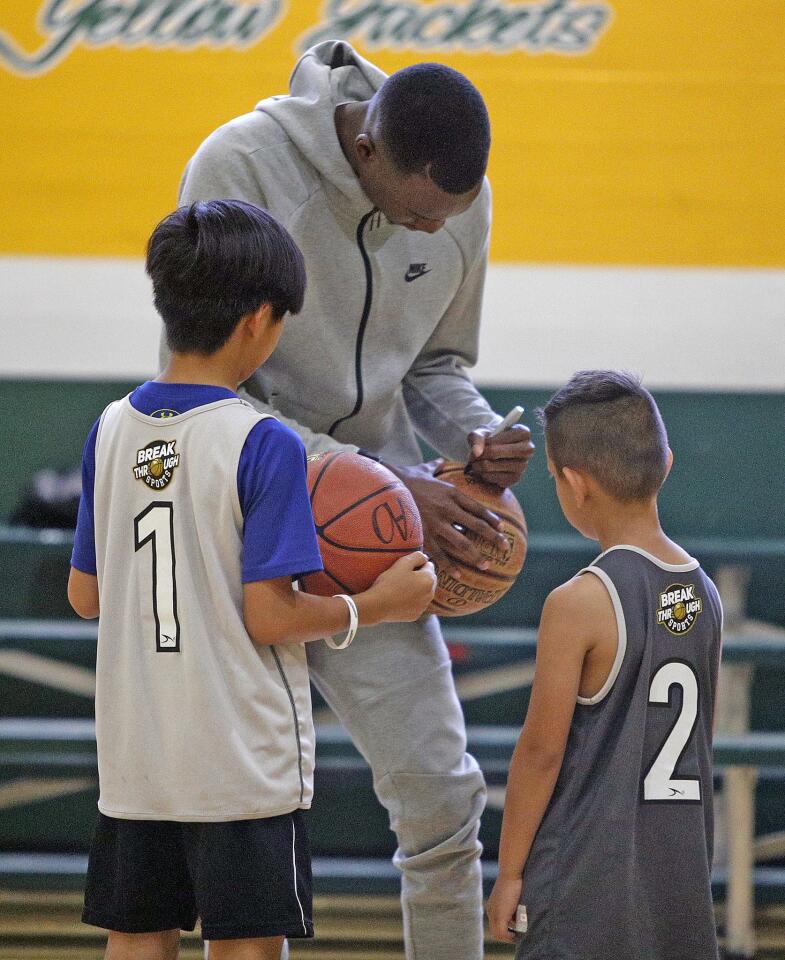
x: 193, y: 721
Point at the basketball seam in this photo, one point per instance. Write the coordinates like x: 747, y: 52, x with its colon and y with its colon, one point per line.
x: 327, y: 572
x: 343, y: 546
x: 443, y: 606
x: 369, y: 496
x: 511, y: 520
x: 329, y: 459
x: 447, y: 471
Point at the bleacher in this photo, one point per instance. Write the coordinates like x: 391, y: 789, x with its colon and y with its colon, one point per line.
x: 48, y: 776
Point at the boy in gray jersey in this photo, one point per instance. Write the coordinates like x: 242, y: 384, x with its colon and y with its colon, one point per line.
x: 194, y: 520
x: 607, y: 832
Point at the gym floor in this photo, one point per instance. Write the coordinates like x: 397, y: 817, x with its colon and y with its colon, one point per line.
x: 46, y: 926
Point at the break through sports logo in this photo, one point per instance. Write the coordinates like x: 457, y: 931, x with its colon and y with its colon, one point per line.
x: 156, y: 463
x: 679, y: 608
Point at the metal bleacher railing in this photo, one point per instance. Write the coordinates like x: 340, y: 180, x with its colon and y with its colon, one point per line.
x: 47, y: 758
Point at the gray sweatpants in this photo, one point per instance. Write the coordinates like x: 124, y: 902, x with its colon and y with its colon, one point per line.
x: 393, y: 691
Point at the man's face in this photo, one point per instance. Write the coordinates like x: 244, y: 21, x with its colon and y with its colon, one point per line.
x: 412, y: 201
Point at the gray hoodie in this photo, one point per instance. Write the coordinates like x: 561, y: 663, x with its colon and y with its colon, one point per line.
x: 391, y: 316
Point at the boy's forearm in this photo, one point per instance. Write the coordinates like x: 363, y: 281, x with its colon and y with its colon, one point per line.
x: 83, y: 594
x: 530, y: 785
x: 304, y: 617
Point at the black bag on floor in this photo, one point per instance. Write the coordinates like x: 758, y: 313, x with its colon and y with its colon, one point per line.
x: 51, y: 501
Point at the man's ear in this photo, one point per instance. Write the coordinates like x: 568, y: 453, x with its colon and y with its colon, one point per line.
x: 576, y: 481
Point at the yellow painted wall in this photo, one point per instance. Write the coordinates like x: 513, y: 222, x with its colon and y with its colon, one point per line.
x: 661, y: 143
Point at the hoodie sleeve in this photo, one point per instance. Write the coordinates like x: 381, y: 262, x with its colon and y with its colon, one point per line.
x: 443, y: 403
x: 221, y: 167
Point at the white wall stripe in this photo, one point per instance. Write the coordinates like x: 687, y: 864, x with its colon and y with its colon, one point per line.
x: 682, y: 328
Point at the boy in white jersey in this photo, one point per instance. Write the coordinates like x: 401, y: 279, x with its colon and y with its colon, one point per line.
x: 607, y: 831
x: 194, y: 521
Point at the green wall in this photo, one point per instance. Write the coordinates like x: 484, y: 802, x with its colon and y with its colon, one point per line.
x: 728, y: 482
x: 728, y: 478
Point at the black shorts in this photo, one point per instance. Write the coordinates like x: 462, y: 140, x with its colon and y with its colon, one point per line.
x: 244, y: 878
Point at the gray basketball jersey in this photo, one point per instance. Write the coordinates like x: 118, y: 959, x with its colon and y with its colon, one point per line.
x: 620, y: 868
x: 193, y: 721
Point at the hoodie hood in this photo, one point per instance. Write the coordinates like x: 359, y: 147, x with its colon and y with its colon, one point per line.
x: 390, y: 318
x: 326, y: 75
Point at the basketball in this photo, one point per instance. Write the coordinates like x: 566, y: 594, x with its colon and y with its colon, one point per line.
x: 365, y: 519
x: 477, y: 588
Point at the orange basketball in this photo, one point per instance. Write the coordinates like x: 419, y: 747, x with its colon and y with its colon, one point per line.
x: 365, y: 517
x: 477, y: 589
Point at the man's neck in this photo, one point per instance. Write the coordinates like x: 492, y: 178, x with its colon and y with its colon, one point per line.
x: 350, y: 121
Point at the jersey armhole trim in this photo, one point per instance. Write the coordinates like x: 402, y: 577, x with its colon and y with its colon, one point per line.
x: 721, y: 608
x: 621, y: 638
x: 116, y: 405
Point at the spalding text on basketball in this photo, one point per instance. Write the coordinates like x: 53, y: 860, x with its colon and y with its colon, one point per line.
x: 461, y: 593
x: 497, y: 553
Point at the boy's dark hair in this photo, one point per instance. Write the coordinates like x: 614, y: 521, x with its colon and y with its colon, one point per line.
x: 606, y: 423
x: 212, y: 263
x: 433, y: 119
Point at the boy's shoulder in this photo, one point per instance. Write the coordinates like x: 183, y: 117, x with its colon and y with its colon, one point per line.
x: 272, y: 444
x: 274, y: 431
x: 580, y: 594
x: 581, y: 610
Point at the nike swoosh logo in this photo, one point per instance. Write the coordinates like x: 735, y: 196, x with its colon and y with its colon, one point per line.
x: 415, y: 274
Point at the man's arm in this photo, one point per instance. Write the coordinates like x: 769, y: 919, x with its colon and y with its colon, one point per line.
x: 445, y: 406
x: 442, y: 401
x: 574, y: 618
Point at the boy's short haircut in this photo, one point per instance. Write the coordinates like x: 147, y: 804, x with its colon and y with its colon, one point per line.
x: 606, y: 423
x: 216, y: 261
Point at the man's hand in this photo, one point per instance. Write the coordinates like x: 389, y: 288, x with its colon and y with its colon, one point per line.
x: 446, y: 513
x: 502, y: 906
x: 500, y: 460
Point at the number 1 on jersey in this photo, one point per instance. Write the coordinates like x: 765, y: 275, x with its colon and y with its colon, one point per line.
x: 155, y: 525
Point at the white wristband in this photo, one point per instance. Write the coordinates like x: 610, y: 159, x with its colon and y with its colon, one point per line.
x: 354, y: 623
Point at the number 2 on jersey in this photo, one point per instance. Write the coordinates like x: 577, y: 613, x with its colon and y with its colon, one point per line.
x: 659, y: 783
x: 155, y: 525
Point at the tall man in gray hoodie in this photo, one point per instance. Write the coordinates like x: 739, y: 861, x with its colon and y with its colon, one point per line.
x: 381, y: 182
